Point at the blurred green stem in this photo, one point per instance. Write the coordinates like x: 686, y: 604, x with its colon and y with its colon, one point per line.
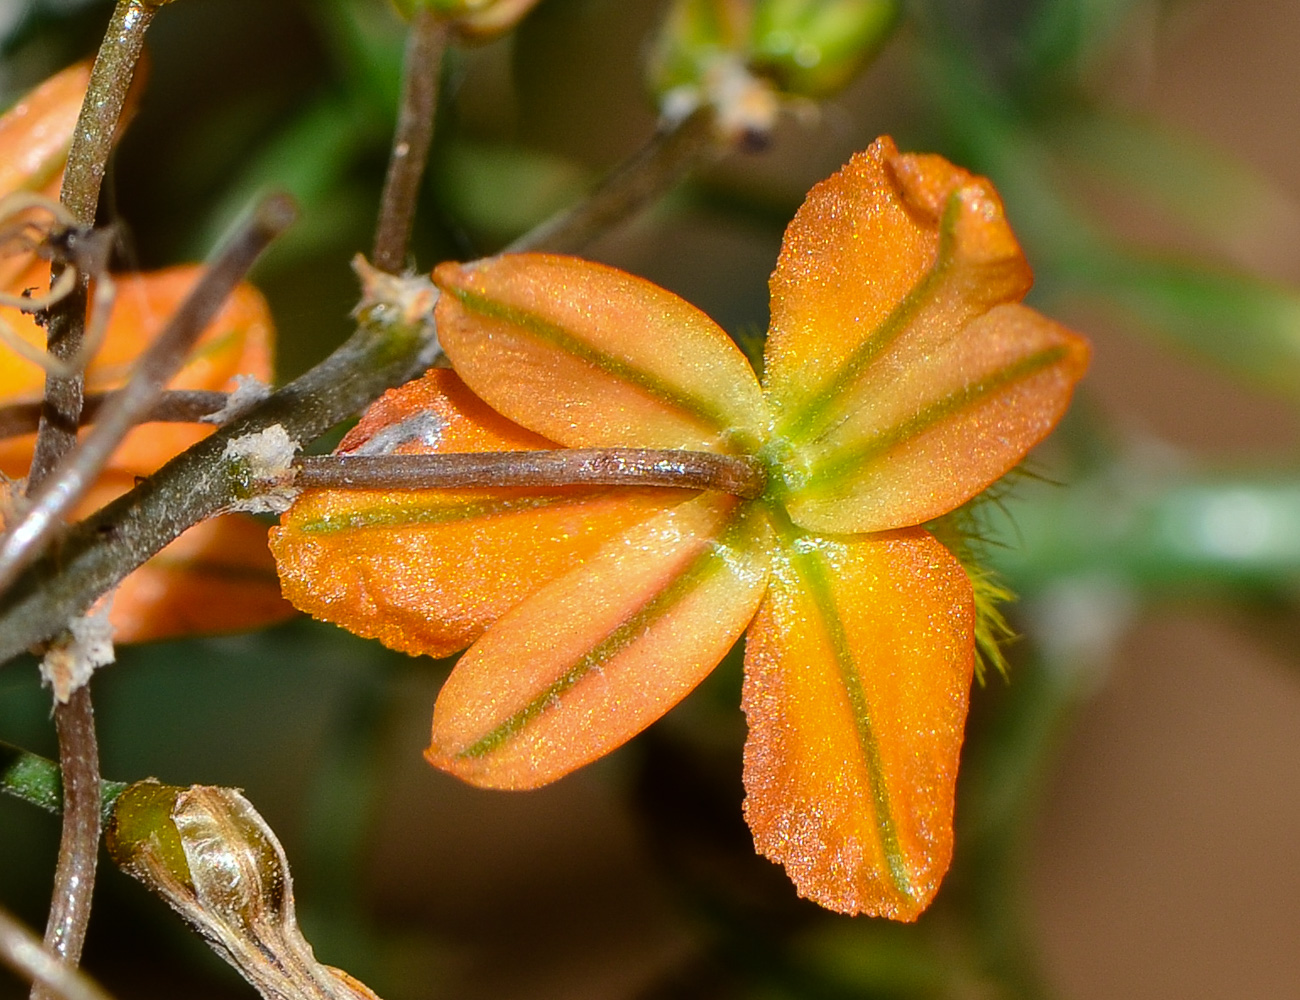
x: 1005, y: 771
x: 673, y: 153
x: 425, y: 46
x: 342, y: 799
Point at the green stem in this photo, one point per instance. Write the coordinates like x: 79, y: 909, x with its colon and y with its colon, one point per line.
x: 38, y: 781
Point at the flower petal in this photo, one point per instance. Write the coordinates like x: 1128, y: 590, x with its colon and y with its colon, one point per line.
x: 36, y: 132
x: 427, y: 571
x: 237, y: 341
x: 857, y: 673
x: 885, y: 260
x: 930, y: 437
x: 217, y: 577
x: 591, y: 356
x: 593, y: 658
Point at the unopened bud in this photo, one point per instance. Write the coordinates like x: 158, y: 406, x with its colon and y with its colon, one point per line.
x: 812, y: 48
x: 741, y: 56
x: 215, y: 861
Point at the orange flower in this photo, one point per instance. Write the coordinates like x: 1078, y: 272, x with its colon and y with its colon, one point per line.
x: 219, y: 575
x: 902, y: 377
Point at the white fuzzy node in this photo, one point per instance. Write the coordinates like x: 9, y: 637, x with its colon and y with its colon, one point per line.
x: 269, y: 455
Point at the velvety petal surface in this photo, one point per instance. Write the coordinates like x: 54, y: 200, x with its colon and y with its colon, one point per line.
x: 888, y: 255
x: 591, y: 356
x: 593, y: 658
x: 929, y: 437
x: 857, y: 673
x: 883, y: 272
x: 427, y: 571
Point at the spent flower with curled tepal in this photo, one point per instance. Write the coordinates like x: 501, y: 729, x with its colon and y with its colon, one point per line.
x: 218, y: 576
x: 902, y: 377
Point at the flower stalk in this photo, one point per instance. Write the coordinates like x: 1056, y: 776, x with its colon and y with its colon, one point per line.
x: 55, y: 496
x: 425, y: 46
x: 392, y: 344
x: 101, y: 113
x: 677, y: 149
x: 74, y: 875
x: 737, y: 475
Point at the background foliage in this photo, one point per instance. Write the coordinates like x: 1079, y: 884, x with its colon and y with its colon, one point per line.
x: 1128, y: 801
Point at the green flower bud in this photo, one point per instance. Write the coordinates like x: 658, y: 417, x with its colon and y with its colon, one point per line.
x: 740, y: 56
x: 813, y: 48
x: 694, y: 35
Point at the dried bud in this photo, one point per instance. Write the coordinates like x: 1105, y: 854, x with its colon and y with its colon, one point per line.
x: 215, y: 861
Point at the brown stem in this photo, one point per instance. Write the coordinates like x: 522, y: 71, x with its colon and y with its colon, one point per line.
x: 179, y: 406
x: 391, y: 346
x: 75, y: 473
x: 673, y: 153
x: 22, y: 951
x: 92, y: 141
x: 425, y: 46
x: 74, y: 877
x: 56, y: 438
x: 739, y: 475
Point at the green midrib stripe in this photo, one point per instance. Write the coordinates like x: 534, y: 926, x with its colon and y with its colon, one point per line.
x: 698, y: 409
x: 385, y: 514
x: 624, y: 634
x: 811, y: 568
x: 850, y: 461
x: 811, y: 418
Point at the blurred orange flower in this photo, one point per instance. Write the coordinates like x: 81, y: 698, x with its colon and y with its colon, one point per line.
x: 902, y: 376
x: 219, y: 575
